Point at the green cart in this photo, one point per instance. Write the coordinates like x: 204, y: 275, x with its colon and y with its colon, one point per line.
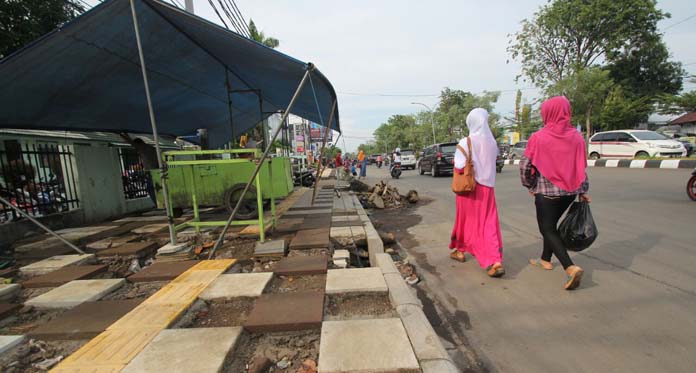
x: 213, y: 178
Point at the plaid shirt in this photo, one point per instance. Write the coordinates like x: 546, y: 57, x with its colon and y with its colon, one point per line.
x: 538, y: 184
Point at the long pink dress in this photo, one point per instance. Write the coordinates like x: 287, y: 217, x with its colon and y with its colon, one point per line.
x: 476, y: 227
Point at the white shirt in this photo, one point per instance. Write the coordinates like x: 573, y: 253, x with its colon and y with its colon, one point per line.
x: 397, y: 158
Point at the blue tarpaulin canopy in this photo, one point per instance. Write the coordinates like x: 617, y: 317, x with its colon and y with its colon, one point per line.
x: 86, y: 76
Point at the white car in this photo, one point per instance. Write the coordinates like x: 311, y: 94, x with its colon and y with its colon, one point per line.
x: 408, y: 159
x: 633, y: 144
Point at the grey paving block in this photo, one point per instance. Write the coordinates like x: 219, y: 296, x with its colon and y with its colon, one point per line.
x: 379, y: 345
x: 355, y: 280
x: 55, y: 262
x: 186, y: 350
x: 7, y: 342
x: 237, y: 285
x: 75, y: 292
x: 270, y: 248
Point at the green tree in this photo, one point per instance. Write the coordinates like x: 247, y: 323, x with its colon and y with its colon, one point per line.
x: 621, y: 111
x: 586, y: 89
x: 22, y: 21
x: 260, y: 37
x: 678, y: 104
x: 567, y: 36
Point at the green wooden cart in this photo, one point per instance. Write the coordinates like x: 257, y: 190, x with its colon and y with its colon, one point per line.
x: 212, y: 178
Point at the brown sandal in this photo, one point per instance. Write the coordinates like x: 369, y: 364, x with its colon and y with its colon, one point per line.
x: 496, y: 270
x: 458, y: 256
x: 574, y: 275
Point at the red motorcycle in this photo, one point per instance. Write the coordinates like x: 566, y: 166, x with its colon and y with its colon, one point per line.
x: 691, y: 186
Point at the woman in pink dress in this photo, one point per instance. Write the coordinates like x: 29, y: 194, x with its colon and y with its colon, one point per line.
x: 476, y: 226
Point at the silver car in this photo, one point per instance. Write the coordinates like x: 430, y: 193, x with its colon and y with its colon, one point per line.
x: 517, y: 150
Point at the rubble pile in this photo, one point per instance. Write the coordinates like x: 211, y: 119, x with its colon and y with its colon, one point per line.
x: 383, y: 195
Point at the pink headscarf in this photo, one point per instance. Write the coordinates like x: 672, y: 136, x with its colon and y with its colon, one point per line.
x: 558, y: 150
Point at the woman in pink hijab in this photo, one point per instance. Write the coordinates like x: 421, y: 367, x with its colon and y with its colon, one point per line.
x: 476, y: 227
x: 553, y: 169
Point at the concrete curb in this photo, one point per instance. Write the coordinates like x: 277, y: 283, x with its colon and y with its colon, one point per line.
x: 632, y: 163
x: 431, y: 354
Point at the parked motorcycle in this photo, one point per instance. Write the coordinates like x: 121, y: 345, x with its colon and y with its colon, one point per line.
x: 691, y: 186
x: 395, y: 170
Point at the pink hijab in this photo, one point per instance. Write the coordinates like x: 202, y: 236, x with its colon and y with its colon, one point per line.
x: 558, y: 150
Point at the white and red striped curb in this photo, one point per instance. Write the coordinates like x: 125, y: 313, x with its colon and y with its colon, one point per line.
x: 632, y: 163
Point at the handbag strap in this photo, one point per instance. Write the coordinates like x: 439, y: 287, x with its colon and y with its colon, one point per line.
x: 461, y: 149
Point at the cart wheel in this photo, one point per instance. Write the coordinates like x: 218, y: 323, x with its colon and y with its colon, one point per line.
x: 248, y: 209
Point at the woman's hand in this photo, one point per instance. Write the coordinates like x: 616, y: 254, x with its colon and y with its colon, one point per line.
x: 585, y: 198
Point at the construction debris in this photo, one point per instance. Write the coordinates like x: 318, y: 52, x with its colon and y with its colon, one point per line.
x: 384, y: 196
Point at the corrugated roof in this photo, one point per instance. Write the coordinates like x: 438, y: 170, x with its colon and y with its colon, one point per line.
x: 108, y: 137
x: 686, y: 118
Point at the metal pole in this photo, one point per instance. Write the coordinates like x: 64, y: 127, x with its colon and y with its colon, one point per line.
x: 321, y: 153
x: 56, y: 235
x: 155, y: 135
x: 188, y: 4
x: 221, y: 238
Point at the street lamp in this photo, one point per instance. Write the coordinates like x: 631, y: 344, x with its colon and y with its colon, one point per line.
x: 432, y: 117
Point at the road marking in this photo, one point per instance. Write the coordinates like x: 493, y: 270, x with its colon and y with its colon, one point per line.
x: 671, y: 163
x: 638, y: 163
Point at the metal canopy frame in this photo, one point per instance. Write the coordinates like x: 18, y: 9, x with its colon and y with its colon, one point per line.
x: 160, y: 155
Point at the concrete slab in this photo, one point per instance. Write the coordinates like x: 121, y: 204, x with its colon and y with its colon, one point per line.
x: 379, y: 345
x: 316, y: 223
x: 162, y: 271
x: 341, y: 254
x: 7, y: 342
x: 310, y: 239
x: 137, y: 249
x: 149, y: 229
x: 84, y: 321
x: 301, y: 265
x: 75, y: 293
x: 237, y: 285
x: 130, y: 219
x: 71, y: 234
x: 186, y: 350
x: 355, y: 280
x: 305, y: 212
x: 338, y: 233
x: 287, y: 312
x: 286, y: 225
x: 337, y: 224
x: 340, y: 263
x: 355, y: 218
x: 307, y: 208
x: 170, y: 248
x: 270, y: 248
x: 54, y: 263
x: 111, y: 242
x: 8, y: 291
x: 8, y: 309
x: 64, y: 275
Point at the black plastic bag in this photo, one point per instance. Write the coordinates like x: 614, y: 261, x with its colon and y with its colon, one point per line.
x: 578, y: 230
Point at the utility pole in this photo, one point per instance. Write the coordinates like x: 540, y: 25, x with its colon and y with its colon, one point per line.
x: 189, y: 6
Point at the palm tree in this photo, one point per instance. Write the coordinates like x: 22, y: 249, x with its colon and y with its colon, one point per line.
x: 259, y: 36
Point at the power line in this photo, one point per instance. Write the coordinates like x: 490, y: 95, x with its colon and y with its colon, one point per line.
x: 218, y: 14
x: 232, y: 21
x: 679, y: 23
x: 240, y: 17
x: 177, y: 4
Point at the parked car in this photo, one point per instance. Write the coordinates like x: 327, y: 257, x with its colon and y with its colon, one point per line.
x: 633, y: 143
x: 408, y: 159
x: 688, y: 146
x: 437, y: 159
x: 517, y: 150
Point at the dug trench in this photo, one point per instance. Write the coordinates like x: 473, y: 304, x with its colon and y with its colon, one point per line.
x: 450, y: 326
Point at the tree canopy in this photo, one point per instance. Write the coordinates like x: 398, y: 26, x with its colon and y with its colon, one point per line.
x: 23, y: 21
x: 449, y: 119
x: 258, y: 36
x: 607, y: 56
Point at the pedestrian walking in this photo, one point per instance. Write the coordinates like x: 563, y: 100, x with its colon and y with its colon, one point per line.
x: 339, y: 166
x: 553, y: 168
x: 362, y: 163
x: 476, y: 225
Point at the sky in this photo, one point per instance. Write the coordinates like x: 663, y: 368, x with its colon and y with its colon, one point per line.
x: 372, y: 49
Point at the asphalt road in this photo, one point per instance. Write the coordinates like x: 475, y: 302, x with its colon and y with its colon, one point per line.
x: 636, y: 308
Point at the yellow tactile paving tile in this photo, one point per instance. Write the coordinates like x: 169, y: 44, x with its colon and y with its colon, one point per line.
x: 113, y: 349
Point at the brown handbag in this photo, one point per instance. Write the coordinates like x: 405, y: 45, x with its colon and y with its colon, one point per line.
x: 463, y: 181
